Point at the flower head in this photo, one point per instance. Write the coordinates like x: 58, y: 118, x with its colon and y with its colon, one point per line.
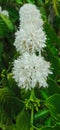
x: 30, y: 15
x: 31, y: 36
x: 29, y: 70
x: 4, y: 12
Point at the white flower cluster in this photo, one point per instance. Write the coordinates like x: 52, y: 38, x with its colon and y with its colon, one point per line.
x: 30, y: 69
x: 30, y: 36
x: 4, y: 12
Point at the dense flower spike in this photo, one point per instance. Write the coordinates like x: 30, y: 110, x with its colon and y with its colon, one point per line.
x: 4, y: 12
x: 31, y: 36
x: 31, y: 69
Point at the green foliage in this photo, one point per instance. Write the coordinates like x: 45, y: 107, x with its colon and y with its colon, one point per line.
x: 54, y: 106
x: 55, y: 4
x: 16, y: 106
x: 23, y: 121
x: 9, y: 103
x: 19, y: 1
x: 30, y: 1
x: 5, y: 25
x: 7, y: 22
x: 1, y: 47
x: 50, y: 128
x: 52, y: 37
x: 41, y: 113
x: 13, y: 14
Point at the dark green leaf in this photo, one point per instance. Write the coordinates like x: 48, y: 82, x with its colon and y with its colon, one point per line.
x: 50, y: 128
x: 53, y: 103
x: 3, y: 28
x: 9, y: 102
x: 51, y: 34
x: 53, y: 87
x: 1, y: 48
x: 30, y: 1
x: 13, y: 13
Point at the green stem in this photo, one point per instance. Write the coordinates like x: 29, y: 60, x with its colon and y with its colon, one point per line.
x: 32, y: 115
x: 35, y: 128
x: 32, y: 109
x: 55, y: 7
x: 32, y: 94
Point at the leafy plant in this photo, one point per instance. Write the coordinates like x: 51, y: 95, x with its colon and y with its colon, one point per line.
x: 20, y: 109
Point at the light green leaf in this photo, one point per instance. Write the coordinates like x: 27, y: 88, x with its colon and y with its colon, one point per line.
x: 19, y: 1
x: 23, y: 121
x: 7, y: 21
x: 46, y: 1
x: 41, y: 113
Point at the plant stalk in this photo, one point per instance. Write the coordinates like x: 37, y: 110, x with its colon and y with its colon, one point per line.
x: 55, y: 7
x: 32, y: 116
x: 32, y: 109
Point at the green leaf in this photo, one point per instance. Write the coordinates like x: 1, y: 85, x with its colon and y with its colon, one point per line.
x: 43, y: 13
x: 9, y: 102
x: 7, y: 21
x: 53, y: 87
x: 23, y: 121
x: 3, y: 28
x: 30, y: 1
x: 53, y: 103
x: 52, y: 35
x: 13, y: 13
x: 19, y: 2
x: 41, y: 113
x: 44, y: 93
x: 48, y: 121
x: 53, y: 42
x: 54, y: 60
x: 46, y: 1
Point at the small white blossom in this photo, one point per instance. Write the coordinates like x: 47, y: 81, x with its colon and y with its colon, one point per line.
x: 29, y: 70
x: 4, y: 12
x: 31, y: 36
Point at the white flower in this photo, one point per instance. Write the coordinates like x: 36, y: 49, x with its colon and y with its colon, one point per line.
x: 31, y: 36
x: 29, y: 14
x: 29, y: 70
x: 30, y: 40
x: 4, y: 12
